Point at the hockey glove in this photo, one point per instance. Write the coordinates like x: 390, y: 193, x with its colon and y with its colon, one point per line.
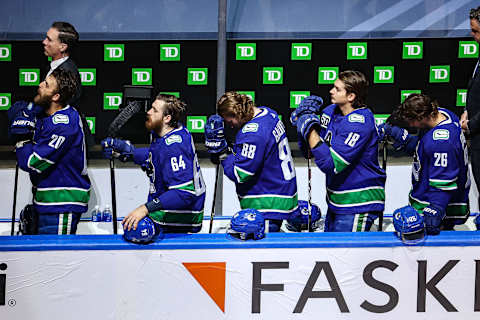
x: 433, y: 216
x: 307, y: 123
x: 397, y: 136
x: 121, y: 149
x: 22, y: 124
x: 311, y: 104
x: 215, y: 139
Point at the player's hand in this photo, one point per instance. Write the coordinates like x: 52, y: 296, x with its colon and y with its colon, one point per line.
x: 22, y: 124
x: 118, y: 148
x: 397, y: 136
x: 306, y: 123
x: 311, y: 104
x: 131, y: 221
x: 214, y: 135
x: 433, y: 216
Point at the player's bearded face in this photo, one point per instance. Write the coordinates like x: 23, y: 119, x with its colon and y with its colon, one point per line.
x: 155, y: 116
x: 46, y: 90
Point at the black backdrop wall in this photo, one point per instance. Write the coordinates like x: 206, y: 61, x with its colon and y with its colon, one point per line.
x: 302, y: 71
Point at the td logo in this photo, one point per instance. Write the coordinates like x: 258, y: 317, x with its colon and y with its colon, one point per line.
x: 142, y: 76
x: 380, y: 118
x: 384, y: 74
x: 273, y: 75
x: 197, y: 76
x: 246, y: 51
x: 91, y: 124
x: 439, y: 74
x: 405, y: 93
x: 461, y: 97
x: 5, y: 101
x: 296, y: 97
x: 112, y: 100
x: 196, y: 124
x: 170, y: 52
x: 88, y: 77
x: 356, y: 50
x: 467, y: 49
x: 5, y: 52
x: 412, y: 50
x: 301, y: 51
x: 29, y: 77
x: 250, y: 94
x: 113, y: 52
x: 327, y: 75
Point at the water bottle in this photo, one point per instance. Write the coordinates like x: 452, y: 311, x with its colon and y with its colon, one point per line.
x: 107, y: 214
x: 96, y: 215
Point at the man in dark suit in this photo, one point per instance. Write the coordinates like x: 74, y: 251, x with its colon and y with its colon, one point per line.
x: 58, y: 44
x: 470, y: 119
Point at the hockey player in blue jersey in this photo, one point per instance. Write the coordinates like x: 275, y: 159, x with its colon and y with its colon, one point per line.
x: 440, y: 177
x: 260, y: 164
x: 54, y: 157
x: 177, y: 190
x: 344, y: 144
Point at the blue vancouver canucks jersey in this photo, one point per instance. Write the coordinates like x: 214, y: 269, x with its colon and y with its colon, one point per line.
x: 177, y: 189
x: 56, y: 161
x: 440, y: 168
x: 349, y: 159
x: 262, y: 167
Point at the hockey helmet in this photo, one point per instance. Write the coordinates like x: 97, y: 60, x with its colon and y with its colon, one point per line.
x: 247, y: 224
x: 299, y: 219
x: 144, y: 233
x: 409, y: 225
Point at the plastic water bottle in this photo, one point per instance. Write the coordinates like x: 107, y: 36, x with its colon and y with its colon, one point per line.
x: 96, y: 214
x: 107, y: 214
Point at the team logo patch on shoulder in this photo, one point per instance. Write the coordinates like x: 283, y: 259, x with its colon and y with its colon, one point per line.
x: 441, y: 134
x: 173, y: 139
x: 325, y: 120
x: 250, y: 127
x: 60, y: 118
x: 354, y: 117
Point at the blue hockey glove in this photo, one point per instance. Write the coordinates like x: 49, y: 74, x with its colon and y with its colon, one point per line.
x: 22, y: 124
x: 397, y: 136
x: 121, y: 149
x: 214, y: 135
x: 306, y: 123
x: 433, y: 216
x: 311, y: 104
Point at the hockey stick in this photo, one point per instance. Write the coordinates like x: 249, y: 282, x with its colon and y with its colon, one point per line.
x: 12, y: 231
x: 132, y: 108
x: 309, y: 191
x: 384, y: 167
x: 212, y: 213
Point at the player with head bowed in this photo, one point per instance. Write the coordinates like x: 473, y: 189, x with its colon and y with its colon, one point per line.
x: 51, y: 148
x: 440, y: 177
x: 177, y: 191
x: 344, y: 143
x: 260, y: 163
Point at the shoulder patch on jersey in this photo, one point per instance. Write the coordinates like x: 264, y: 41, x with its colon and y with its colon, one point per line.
x: 175, y: 138
x: 250, y: 127
x: 325, y: 120
x: 355, y: 117
x: 441, y: 134
x: 60, y: 118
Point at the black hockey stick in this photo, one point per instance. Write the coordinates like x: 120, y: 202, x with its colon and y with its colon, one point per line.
x: 212, y: 213
x: 309, y: 191
x: 384, y: 167
x: 12, y: 231
x: 132, y: 108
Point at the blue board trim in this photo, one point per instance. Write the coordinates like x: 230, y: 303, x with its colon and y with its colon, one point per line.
x: 223, y: 241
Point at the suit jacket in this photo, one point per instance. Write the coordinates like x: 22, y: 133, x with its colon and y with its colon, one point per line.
x: 473, y: 109
x: 69, y: 65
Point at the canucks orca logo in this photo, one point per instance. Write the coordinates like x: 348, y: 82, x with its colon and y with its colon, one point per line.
x: 416, y: 166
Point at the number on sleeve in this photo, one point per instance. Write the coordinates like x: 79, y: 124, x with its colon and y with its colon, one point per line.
x: 285, y: 156
x: 440, y: 159
x: 352, y: 139
x: 56, y: 141
x: 248, y: 150
x: 177, y: 164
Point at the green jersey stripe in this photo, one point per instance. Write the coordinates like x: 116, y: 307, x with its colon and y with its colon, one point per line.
x: 274, y: 203
x: 454, y: 210
x: 177, y: 218
x: 52, y: 196
x: 242, y: 175
x: 38, y: 163
x: 443, y: 184
x: 357, y: 197
x: 338, y: 161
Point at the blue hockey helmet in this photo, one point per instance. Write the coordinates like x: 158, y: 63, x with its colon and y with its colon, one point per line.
x: 299, y: 219
x: 477, y: 221
x: 144, y: 233
x: 409, y: 225
x: 247, y: 224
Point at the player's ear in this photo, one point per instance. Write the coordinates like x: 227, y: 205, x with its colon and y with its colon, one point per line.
x: 56, y: 97
x: 351, y: 97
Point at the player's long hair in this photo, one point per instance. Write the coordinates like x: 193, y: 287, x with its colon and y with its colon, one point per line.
x: 236, y: 105
x: 174, y: 107
x: 475, y: 14
x: 355, y: 82
x: 66, y: 85
x: 417, y: 107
